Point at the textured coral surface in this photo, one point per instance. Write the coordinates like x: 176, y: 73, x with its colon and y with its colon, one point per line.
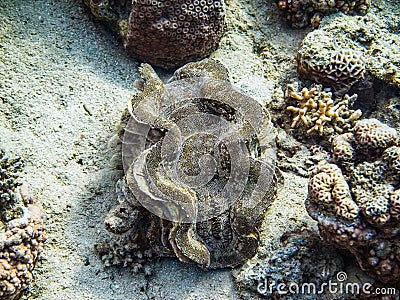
x: 357, y: 206
x: 301, y: 258
x: 171, y: 33
x: 336, y: 67
x: 349, y: 47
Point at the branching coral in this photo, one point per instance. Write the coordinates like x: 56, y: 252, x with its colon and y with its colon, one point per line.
x: 319, y: 113
x: 369, y: 159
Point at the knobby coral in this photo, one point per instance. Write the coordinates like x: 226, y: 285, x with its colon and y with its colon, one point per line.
x: 319, y: 113
x: 21, y: 230
x: 356, y: 202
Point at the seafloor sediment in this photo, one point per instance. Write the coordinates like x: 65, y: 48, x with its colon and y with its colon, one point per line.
x: 64, y: 82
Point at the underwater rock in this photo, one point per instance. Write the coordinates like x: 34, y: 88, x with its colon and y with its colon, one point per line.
x: 317, y: 111
x: 166, y: 34
x: 301, y: 13
x: 302, y: 258
x: 356, y: 202
x: 21, y: 231
x: 198, y: 157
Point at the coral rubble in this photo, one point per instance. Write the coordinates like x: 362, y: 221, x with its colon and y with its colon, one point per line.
x: 166, y: 34
x: 21, y: 231
x: 319, y: 113
x: 183, y: 195
x: 301, y: 13
x: 356, y: 202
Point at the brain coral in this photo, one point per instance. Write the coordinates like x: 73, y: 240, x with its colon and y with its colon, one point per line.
x: 21, y: 231
x: 325, y: 62
x: 365, y: 219
x: 300, y: 13
x: 164, y: 33
x: 199, y: 169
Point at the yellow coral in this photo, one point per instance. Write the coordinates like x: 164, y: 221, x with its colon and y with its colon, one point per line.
x: 317, y: 109
x: 306, y: 102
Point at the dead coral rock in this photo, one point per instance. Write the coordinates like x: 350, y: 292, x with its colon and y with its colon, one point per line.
x: 301, y: 13
x: 319, y: 113
x: 110, y: 11
x: 369, y: 159
x: 321, y: 60
x: 21, y: 230
x: 10, y: 169
x: 169, y: 34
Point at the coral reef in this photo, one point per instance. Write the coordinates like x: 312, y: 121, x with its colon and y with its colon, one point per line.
x: 301, y: 13
x: 183, y: 195
x: 319, y: 113
x: 21, y: 231
x: 332, y: 65
x: 301, y: 258
x: 166, y: 34
x: 346, y: 46
x: 357, y: 205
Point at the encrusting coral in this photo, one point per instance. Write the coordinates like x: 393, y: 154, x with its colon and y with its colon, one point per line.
x: 356, y: 202
x: 166, y: 34
x: 301, y: 13
x: 319, y: 113
x: 21, y: 230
